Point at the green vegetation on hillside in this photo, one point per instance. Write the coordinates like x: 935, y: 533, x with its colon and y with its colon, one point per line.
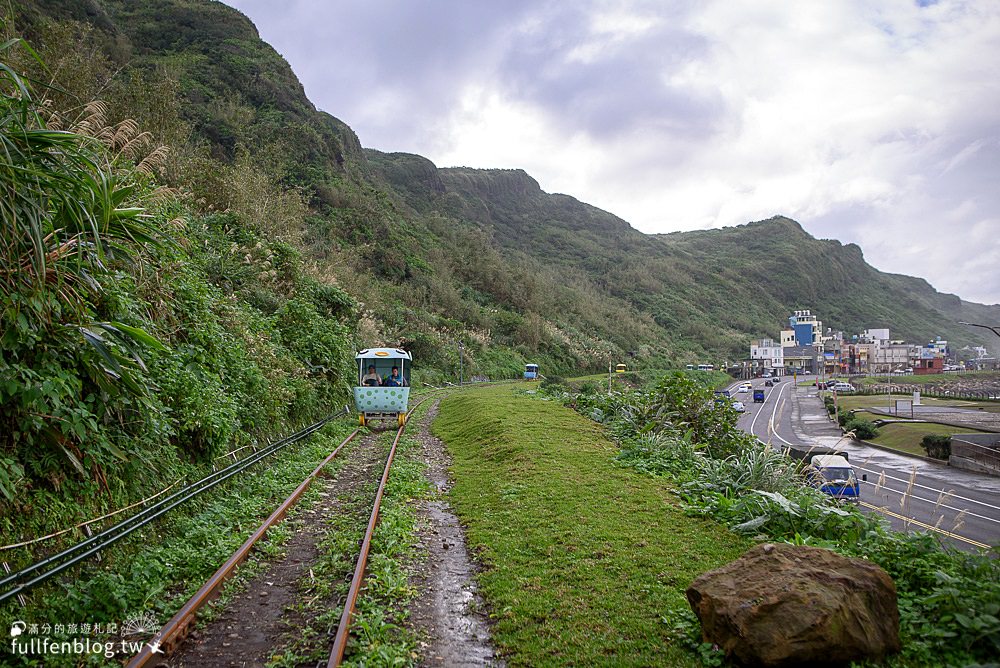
x: 583, y: 559
x: 440, y: 257
x: 143, y: 336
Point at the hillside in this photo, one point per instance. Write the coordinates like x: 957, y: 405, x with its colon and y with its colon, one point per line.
x: 438, y: 256
x: 713, y: 288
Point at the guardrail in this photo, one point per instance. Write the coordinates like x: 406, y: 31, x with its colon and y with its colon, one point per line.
x: 980, y: 454
x: 930, y: 392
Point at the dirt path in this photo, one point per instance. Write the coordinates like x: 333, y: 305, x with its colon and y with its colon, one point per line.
x: 448, y: 613
x: 247, y: 632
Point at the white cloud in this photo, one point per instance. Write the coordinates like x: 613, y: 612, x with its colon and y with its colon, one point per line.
x: 872, y: 123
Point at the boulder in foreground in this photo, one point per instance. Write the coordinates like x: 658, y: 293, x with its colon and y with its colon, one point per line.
x: 788, y: 605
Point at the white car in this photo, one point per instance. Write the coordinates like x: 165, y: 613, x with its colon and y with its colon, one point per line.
x: 743, y: 389
x: 842, y: 387
x: 739, y: 407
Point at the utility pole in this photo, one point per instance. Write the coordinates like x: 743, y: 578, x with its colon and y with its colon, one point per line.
x: 836, y: 406
x: 460, y: 369
x: 888, y: 385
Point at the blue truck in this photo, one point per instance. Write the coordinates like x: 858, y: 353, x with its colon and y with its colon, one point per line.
x: 835, y: 476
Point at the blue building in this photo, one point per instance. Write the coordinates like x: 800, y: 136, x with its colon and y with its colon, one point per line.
x: 806, y: 327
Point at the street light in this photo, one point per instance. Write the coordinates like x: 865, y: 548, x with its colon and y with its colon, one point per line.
x: 995, y: 330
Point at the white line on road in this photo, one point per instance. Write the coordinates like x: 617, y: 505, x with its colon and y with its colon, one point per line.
x: 924, y: 525
x: 907, y: 482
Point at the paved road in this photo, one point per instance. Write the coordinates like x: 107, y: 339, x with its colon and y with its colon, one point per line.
x: 912, y: 493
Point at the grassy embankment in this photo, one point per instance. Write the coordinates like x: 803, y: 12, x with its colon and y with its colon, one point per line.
x: 582, y: 559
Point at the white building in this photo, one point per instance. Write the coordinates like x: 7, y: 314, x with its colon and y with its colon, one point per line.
x: 879, y: 337
x: 894, y: 356
x: 766, y: 355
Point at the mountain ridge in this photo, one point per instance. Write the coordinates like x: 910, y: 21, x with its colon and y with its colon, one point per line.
x: 485, y: 255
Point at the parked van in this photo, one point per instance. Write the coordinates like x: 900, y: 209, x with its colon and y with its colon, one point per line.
x: 835, y: 476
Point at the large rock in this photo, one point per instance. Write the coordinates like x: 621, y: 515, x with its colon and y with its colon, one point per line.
x: 787, y: 605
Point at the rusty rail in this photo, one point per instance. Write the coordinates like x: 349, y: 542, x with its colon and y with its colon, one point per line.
x: 344, y: 629
x: 174, y: 631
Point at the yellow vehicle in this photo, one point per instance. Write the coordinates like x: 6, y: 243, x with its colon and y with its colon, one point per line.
x: 621, y: 368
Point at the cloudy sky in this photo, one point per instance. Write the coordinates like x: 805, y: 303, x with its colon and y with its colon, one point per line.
x: 874, y: 122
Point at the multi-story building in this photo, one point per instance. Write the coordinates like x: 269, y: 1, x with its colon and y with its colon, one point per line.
x: 800, y: 359
x: 894, y: 356
x: 878, y: 336
x: 931, y: 358
x: 833, y: 349
x: 766, y: 356
x: 857, y: 357
x: 808, y: 329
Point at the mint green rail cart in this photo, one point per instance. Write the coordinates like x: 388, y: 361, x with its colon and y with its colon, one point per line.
x: 386, y: 398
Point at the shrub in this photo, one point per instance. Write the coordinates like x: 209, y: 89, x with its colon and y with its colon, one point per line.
x: 863, y: 429
x: 553, y: 382
x: 659, y: 454
x: 937, y: 446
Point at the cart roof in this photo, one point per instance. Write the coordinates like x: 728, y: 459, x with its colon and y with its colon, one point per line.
x: 383, y: 353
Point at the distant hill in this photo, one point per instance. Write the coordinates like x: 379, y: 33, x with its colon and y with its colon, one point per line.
x: 442, y: 256
x: 712, y: 286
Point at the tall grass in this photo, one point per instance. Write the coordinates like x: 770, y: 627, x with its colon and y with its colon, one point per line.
x: 67, y: 211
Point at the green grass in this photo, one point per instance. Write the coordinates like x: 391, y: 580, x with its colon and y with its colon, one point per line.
x: 850, y: 402
x: 592, y: 378
x: 585, y: 562
x: 906, y: 436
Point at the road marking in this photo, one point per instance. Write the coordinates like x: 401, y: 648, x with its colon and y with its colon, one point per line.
x: 939, y: 492
x: 929, y: 527
x: 932, y: 489
x: 763, y: 408
x: 907, y: 482
x: 774, y: 412
x: 942, y: 494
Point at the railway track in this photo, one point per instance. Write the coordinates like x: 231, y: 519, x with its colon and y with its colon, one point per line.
x: 15, y: 584
x: 176, y: 629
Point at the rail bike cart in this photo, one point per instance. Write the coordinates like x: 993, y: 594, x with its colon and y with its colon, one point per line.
x: 530, y: 371
x: 380, y: 394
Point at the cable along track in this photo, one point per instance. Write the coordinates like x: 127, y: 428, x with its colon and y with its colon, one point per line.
x: 31, y: 576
